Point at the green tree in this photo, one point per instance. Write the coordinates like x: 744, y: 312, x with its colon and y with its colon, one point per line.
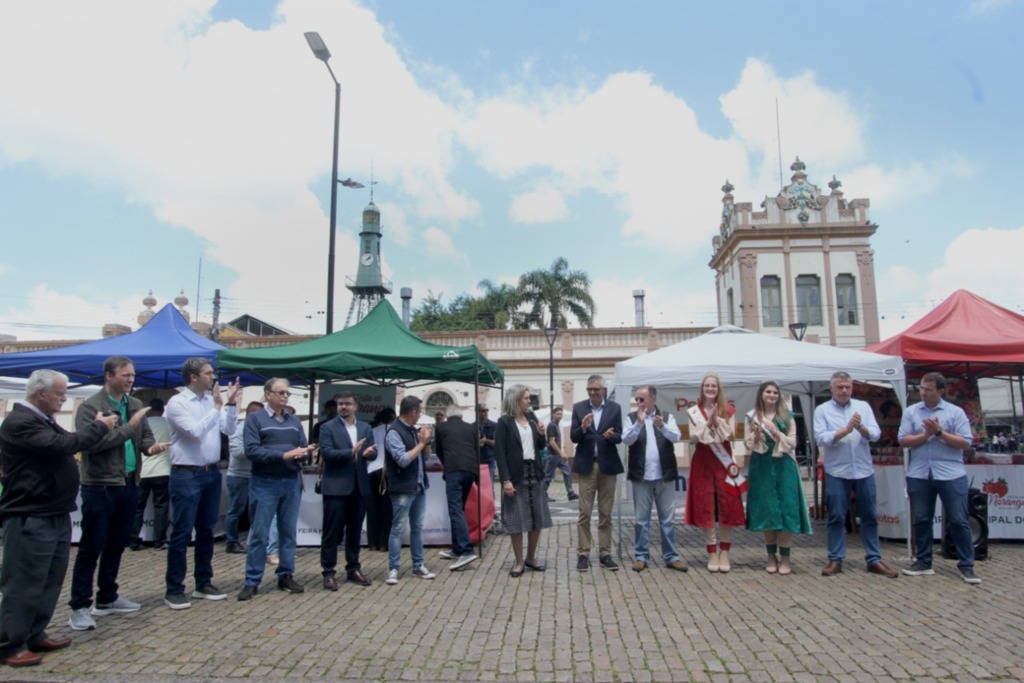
x: 551, y: 295
x: 498, y: 308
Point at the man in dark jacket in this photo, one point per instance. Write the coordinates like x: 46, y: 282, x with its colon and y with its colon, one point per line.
x: 346, y: 444
x: 40, y: 484
x: 407, y: 447
x: 110, y: 474
x: 457, y: 448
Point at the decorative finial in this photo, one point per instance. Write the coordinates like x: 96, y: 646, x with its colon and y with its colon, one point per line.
x: 835, y: 184
x: 727, y: 188
x: 798, y: 165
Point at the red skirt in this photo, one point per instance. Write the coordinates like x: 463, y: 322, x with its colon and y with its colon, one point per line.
x: 707, y: 499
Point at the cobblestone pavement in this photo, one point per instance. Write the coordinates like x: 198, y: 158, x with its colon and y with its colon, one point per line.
x: 562, y: 625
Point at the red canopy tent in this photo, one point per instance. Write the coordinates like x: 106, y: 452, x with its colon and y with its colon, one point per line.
x: 965, y: 335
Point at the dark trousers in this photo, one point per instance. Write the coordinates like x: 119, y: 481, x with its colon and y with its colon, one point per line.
x: 456, y: 487
x: 155, y: 487
x: 36, y: 553
x: 378, y: 513
x: 195, y: 504
x: 107, y: 514
x: 343, y: 516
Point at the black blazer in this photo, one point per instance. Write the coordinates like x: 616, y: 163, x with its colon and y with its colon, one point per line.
x: 343, y: 470
x: 608, y: 460
x: 508, y: 450
x: 457, y: 445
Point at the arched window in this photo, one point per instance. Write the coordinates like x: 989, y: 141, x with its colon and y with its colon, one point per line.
x: 846, y: 299
x: 771, y: 301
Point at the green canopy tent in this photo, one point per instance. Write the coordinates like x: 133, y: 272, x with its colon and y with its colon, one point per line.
x: 379, y: 349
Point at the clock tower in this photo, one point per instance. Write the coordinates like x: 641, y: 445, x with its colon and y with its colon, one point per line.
x: 369, y: 286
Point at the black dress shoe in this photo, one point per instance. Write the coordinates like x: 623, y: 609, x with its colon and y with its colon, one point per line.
x: 235, y: 549
x: 330, y: 584
x: 357, y: 577
x: 608, y: 563
x: 159, y: 545
x: 583, y: 564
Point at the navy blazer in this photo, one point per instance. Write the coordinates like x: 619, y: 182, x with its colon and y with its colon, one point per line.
x: 608, y: 460
x: 342, y: 469
x: 508, y: 450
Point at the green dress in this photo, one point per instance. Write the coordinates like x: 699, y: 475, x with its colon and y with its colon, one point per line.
x: 775, y: 499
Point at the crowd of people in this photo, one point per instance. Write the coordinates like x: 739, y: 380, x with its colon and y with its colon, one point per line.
x: 377, y: 473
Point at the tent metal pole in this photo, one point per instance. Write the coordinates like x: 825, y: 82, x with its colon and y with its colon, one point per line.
x: 479, y: 494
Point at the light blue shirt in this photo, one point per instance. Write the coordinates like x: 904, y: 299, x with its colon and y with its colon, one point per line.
x: 935, y: 458
x: 196, y: 426
x: 396, y: 446
x: 850, y: 458
x: 652, y: 461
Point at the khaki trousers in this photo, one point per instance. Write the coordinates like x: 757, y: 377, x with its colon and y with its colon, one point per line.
x: 602, y: 486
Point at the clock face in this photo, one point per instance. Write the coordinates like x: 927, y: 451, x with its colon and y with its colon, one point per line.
x: 367, y: 259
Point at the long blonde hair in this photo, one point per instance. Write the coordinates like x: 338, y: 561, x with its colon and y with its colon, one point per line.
x: 721, y: 408
x: 510, y: 401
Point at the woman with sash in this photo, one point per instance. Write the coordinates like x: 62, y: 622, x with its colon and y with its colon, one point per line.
x: 775, y: 503
x: 715, y: 487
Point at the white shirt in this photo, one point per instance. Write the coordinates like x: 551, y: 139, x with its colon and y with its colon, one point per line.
x: 652, y: 459
x: 196, y: 426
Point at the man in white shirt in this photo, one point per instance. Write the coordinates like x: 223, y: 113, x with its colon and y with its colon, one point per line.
x: 198, y: 416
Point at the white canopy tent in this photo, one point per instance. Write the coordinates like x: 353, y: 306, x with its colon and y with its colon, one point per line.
x: 745, y: 359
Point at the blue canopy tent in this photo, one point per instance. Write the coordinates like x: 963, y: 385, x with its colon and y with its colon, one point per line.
x: 157, y: 349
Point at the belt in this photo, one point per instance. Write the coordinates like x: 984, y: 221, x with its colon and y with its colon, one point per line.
x: 197, y: 468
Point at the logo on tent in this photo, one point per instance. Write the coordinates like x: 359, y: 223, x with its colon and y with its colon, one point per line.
x: 451, y: 355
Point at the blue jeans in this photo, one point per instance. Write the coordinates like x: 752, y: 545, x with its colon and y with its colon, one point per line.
x: 238, y: 501
x: 268, y: 497
x: 457, y: 486
x: 195, y: 504
x: 662, y: 494
x: 953, y: 493
x: 407, y: 509
x: 554, y: 464
x: 107, y: 516
x: 837, y: 498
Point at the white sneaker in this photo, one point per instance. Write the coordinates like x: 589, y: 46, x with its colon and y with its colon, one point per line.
x: 422, y: 572
x: 463, y: 561
x: 447, y: 555
x: 392, y: 577
x: 119, y: 606
x: 81, y: 621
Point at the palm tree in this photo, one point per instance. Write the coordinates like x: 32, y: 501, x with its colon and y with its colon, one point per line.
x: 498, y: 308
x: 552, y: 294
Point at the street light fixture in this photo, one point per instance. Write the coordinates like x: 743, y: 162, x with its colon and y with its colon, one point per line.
x: 551, y: 334
x: 320, y: 51
x: 798, y: 330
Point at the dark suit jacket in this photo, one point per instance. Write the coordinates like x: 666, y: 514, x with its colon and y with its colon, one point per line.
x: 104, y: 463
x: 457, y: 446
x: 40, y: 474
x: 344, y: 470
x: 508, y: 450
x: 608, y: 461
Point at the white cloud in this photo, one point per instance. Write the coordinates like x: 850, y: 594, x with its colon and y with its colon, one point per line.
x: 439, y: 244
x: 542, y: 206
x: 70, y: 316
x: 900, y: 184
x: 986, y: 6
x: 664, y: 306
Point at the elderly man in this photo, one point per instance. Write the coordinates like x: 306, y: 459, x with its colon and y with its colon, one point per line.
x: 346, y: 446
x: 596, y: 428
x: 458, y: 449
x: 40, y: 486
x: 937, y: 434
x: 275, y: 443
x: 649, y: 436
x: 110, y: 475
x: 198, y: 416
x: 843, y: 429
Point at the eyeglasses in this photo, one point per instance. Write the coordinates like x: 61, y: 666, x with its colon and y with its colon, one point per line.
x: 282, y: 392
x: 594, y: 390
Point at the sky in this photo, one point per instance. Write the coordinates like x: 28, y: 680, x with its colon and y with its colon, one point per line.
x: 185, y: 146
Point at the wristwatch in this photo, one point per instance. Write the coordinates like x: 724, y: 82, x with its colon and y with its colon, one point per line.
x: 938, y: 434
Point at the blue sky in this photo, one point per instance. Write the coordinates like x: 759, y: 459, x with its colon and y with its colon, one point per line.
x: 137, y: 139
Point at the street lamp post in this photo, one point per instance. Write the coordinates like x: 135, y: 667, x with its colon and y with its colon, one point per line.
x: 551, y: 334
x: 321, y: 52
x: 798, y: 330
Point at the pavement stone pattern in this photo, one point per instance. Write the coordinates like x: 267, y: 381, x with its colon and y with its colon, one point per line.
x: 562, y: 625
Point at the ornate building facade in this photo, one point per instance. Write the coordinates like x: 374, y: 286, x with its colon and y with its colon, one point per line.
x: 805, y: 258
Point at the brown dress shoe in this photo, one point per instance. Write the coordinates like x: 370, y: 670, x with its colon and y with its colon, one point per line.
x: 330, y: 584
x: 357, y: 577
x: 883, y: 569
x: 639, y: 565
x: 832, y: 568
x: 50, y: 644
x: 23, y: 658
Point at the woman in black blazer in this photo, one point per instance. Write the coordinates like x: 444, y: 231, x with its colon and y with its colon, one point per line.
x: 518, y: 442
